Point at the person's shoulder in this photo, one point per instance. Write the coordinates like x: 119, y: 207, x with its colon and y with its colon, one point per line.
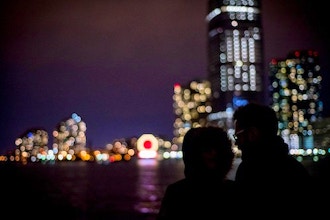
x: 177, y: 185
x: 230, y: 188
x: 183, y: 187
x: 297, y: 172
x: 295, y: 164
x: 229, y: 183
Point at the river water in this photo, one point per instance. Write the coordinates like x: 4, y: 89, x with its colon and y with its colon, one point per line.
x: 82, y: 190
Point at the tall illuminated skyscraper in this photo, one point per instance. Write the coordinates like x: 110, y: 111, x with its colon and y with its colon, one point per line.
x: 235, y: 53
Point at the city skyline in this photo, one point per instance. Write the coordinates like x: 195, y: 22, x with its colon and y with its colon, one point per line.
x: 59, y: 58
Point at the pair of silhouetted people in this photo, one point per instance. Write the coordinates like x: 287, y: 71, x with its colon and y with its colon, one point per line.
x: 269, y: 182
x: 205, y: 190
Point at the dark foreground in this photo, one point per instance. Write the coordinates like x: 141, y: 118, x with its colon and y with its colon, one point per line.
x: 82, y: 190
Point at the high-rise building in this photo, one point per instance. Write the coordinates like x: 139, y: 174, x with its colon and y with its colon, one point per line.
x: 295, y: 93
x: 191, y: 105
x: 235, y: 53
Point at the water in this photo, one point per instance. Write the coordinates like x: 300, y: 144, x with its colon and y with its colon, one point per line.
x: 83, y: 190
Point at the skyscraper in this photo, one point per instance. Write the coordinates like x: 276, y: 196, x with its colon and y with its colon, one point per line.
x: 235, y: 53
x: 295, y: 92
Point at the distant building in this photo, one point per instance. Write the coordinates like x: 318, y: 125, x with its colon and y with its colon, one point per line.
x: 31, y: 145
x: 191, y: 105
x: 235, y: 55
x: 69, y: 137
x: 295, y: 94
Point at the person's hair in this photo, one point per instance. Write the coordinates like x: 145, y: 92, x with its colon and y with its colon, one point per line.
x: 256, y: 115
x: 201, y: 139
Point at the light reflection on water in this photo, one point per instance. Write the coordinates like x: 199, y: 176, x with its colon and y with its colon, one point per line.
x: 149, y: 190
x: 153, y: 178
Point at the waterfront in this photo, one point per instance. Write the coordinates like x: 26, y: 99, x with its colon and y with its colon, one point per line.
x: 82, y: 190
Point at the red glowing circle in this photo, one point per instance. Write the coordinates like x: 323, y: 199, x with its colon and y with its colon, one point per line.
x: 147, y: 144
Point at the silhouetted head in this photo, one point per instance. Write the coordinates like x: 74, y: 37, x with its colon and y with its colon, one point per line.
x: 259, y: 116
x: 256, y: 126
x: 207, y: 152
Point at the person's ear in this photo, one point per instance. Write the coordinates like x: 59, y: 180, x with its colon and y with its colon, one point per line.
x: 253, y: 134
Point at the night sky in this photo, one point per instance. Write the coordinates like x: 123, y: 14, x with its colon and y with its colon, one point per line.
x: 114, y: 63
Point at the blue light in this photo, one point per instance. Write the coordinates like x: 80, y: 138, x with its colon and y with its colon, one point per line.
x: 239, y: 101
x: 29, y: 135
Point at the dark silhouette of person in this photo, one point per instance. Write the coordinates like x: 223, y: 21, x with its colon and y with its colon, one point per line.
x: 322, y: 176
x: 205, y: 191
x: 268, y: 177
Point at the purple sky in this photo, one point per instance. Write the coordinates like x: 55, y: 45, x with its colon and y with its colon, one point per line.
x: 115, y: 62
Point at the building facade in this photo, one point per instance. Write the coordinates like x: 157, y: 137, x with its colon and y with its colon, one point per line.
x: 191, y: 105
x: 235, y: 54
x: 295, y: 93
